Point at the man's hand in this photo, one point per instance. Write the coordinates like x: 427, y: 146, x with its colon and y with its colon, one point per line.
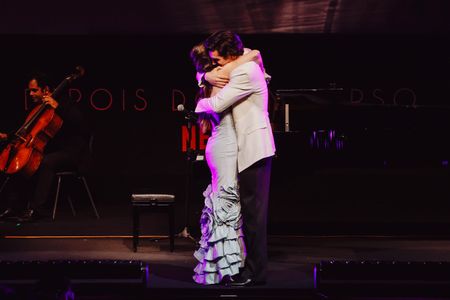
x: 50, y: 101
x: 216, y: 78
x: 3, y: 136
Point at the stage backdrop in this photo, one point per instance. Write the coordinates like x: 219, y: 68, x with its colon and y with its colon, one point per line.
x: 133, y: 85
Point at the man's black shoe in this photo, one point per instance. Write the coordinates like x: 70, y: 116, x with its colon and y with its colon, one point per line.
x: 28, y: 215
x: 241, y: 281
x: 7, y: 214
x: 226, y: 280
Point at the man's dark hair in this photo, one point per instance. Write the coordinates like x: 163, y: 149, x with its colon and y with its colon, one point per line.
x: 42, y: 79
x: 226, y: 43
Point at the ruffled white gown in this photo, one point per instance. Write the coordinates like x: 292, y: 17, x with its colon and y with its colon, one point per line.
x: 222, y: 250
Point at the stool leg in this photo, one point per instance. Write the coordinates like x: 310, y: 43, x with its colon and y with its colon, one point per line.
x: 58, y: 188
x: 135, y: 227
x: 90, y: 196
x: 171, y: 227
x: 71, y: 205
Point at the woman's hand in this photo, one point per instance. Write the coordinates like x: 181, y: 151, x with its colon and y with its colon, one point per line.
x: 205, y: 126
x: 217, y: 78
x: 3, y: 136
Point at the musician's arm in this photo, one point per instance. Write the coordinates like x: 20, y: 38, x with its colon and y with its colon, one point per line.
x: 61, y: 106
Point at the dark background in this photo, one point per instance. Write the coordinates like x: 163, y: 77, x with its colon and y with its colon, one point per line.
x: 391, y: 175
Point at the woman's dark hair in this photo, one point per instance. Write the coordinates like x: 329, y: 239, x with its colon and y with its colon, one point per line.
x: 202, y: 63
x: 226, y: 43
x: 200, y: 58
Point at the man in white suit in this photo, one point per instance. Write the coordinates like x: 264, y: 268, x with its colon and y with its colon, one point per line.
x: 246, y: 92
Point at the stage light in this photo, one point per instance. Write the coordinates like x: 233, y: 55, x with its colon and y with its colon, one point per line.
x: 382, y: 278
x: 78, y: 271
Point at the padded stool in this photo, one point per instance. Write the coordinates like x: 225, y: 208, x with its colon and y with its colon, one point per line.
x: 152, y: 202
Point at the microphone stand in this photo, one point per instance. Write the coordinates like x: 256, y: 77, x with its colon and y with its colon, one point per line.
x: 190, y: 117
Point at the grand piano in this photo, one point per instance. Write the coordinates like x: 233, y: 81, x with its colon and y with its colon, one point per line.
x: 382, y: 167
x: 324, y: 125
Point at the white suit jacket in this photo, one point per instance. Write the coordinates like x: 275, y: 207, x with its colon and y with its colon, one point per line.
x: 247, y: 93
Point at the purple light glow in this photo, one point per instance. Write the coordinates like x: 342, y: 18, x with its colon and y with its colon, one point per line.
x: 147, y: 275
x: 326, y: 140
x: 315, y: 276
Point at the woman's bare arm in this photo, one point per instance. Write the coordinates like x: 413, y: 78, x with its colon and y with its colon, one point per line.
x: 252, y: 55
x: 219, y: 76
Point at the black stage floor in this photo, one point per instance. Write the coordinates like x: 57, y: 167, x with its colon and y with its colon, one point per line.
x: 291, y: 267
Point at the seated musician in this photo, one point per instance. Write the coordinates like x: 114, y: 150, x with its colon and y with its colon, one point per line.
x: 27, y: 197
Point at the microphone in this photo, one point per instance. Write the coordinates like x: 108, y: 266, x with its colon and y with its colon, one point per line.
x: 188, y: 114
x: 180, y: 107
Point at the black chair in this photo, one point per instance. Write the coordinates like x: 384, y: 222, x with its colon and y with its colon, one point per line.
x: 154, y: 203
x: 77, y: 175
x: 4, y: 182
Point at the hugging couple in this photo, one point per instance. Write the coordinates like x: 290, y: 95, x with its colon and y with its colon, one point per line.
x: 233, y: 105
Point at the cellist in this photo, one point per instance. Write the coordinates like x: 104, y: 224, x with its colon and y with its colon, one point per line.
x: 27, y: 197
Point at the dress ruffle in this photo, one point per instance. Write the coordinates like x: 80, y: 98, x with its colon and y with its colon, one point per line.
x: 222, y: 250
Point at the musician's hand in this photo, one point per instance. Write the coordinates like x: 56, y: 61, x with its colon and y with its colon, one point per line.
x: 215, y: 78
x: 50, y: 101
x: 3, y: 136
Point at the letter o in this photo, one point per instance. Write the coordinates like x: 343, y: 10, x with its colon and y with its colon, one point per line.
x: 101, y: 108
x: 405, y: 90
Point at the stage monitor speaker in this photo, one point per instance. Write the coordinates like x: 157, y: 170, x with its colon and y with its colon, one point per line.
x: 77, y: 271
x: 382, y: 278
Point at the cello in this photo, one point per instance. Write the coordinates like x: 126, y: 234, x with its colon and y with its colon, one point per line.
x: 25, y: 151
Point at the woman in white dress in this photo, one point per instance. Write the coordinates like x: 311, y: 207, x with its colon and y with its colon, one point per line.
x: 222, y: 249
